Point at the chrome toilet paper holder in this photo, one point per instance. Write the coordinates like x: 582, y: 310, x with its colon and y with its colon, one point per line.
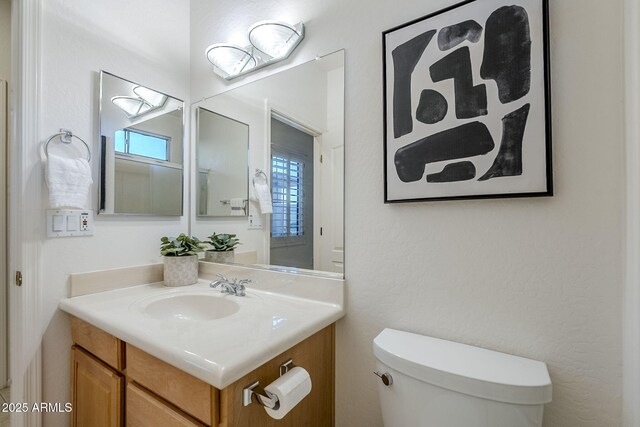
x: 255, y: 393
x: 284, y: 368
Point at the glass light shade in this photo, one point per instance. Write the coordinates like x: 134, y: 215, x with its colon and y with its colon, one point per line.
x: 132, y: 107
x: 276, y: 39
x: 231, y: 60
x: 156, y: 99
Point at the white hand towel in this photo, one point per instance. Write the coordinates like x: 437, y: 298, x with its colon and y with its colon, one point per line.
x: 237, y: 207
x: 263, y: 193
x: 68, y: 181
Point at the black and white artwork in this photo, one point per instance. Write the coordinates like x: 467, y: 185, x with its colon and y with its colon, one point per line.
x: 467, y: 103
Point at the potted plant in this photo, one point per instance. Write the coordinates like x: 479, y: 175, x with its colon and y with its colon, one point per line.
x: 180, y: 259
x: 222, y: 246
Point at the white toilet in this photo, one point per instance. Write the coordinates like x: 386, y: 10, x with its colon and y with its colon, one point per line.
x: 438, y: 383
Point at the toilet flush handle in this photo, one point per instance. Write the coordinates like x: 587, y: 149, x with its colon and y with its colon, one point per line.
x: 386, y: 378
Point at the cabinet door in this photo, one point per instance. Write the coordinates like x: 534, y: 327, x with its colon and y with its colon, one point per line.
x: 97, y: 392
x: 145, y: 410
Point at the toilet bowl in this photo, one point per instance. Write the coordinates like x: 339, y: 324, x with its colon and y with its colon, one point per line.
x: 429, y: 382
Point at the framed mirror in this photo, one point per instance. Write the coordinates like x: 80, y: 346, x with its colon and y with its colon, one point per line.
x: 141, y: 149
x: 222, y: 182
x: 295, y: 120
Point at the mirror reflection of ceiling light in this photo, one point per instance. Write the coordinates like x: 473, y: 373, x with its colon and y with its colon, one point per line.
x: 274, y: 40
x: 146, y: 101
x: 156, y: 99
x: 133, y: 107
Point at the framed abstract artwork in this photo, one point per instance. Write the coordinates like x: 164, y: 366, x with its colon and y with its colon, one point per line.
x: 467, y: 103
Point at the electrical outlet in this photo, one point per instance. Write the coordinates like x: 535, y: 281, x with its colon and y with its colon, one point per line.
x: 84, y: 221
x: 255, y: 222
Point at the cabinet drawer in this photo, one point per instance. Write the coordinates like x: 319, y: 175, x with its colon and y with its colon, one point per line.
x: 96, y: 392
x: 190, y: 394
x: 144, y: 410
x: 104, y: 346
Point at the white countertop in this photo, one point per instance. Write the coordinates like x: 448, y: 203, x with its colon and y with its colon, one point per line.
x: 219, y: 351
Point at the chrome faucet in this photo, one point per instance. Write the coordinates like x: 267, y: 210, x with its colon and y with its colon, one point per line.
x: 234, y: 287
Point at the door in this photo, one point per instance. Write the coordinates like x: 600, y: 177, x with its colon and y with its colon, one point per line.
x: 331, y: 256
x: 4, y: 318
x: 292, y: 192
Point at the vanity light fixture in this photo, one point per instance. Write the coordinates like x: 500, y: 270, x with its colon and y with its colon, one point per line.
x: 230, y: 60
x: 276, y: 39
x: 273, y: 40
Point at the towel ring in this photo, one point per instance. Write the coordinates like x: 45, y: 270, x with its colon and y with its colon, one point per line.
x: 66, y: 137
x: 257, y: 174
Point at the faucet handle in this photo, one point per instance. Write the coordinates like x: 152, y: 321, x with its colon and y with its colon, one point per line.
x: 241, y: 287
x: 221, y: 277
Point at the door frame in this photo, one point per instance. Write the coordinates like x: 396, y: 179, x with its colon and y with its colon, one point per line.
x: 25, y: 214
x: 631, y: 301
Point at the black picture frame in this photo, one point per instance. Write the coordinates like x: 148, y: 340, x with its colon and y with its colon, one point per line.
x: 470, y: 130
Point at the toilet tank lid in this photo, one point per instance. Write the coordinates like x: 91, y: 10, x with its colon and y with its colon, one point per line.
x: 465, y: 369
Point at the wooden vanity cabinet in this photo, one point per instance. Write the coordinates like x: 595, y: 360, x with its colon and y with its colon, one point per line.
x: 102, y: 345
x: 97, y: 392
x: 316, y: 355
x: 191, y: 395
x: 146, y: 410
x: 117, y: 384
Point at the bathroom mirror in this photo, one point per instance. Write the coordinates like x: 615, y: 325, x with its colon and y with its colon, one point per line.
x: 295, y: 126
x: 222, y: 159
x: 141, y: 146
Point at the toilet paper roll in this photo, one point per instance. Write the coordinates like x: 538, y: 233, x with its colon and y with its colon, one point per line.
x: 290, y: 388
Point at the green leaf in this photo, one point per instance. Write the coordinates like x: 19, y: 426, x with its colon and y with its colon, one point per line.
x: 222, y: 242
x: 182, y: 245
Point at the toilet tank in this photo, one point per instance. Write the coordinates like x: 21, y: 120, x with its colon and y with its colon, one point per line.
x: 446, y: 384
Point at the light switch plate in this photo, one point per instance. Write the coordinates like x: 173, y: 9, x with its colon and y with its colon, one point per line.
x: 73, y: 223
x: 69, y: 222
x: 57, y: 223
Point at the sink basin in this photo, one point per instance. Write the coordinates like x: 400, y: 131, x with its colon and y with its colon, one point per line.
x: 199, y: 308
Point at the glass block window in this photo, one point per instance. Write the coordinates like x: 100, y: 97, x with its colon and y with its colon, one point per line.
x: 138, y: 143
x: 287, y: 197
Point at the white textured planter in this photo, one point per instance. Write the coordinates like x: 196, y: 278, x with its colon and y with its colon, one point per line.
x: 220, y: 257
x: 180, y: 270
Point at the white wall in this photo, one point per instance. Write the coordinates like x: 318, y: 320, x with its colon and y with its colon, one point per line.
x: 557, y: 294
x: 145, y: 41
